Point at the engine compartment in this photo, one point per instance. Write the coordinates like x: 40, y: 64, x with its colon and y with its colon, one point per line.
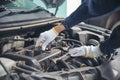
x: 28, y: 59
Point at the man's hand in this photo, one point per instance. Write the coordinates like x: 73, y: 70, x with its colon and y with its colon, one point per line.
x: 85, y: 51
x: 45, y: 38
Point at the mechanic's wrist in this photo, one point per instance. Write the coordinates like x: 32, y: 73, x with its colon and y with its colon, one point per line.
x: 97, y: 52
x: 55, y: 31
x: 59, y: 28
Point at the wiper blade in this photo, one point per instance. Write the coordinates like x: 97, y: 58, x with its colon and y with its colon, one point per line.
x: 19, y: 11
x: 4, y: 13
x: 16, y: 11
x: 2, y: 9
x: 30, y: 11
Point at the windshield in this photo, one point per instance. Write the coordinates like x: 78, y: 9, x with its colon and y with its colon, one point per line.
x: 12, y: 11
x: 18, y: 4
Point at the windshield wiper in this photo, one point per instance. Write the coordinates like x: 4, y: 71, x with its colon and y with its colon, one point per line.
x: 2, y: 9
x: 4, y: 13
x: 16, y: 11
x: 33, y: 10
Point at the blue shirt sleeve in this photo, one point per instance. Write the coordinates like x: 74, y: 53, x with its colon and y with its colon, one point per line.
x: 88, y: 9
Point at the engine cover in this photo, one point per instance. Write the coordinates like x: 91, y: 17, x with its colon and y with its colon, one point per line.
x: 8, y: 63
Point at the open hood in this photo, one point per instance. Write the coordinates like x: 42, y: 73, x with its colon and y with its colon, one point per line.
x: 53, y: 3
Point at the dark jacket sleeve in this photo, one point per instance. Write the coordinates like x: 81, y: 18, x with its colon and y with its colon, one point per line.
x: 112, y: 43
x: 88, y: 9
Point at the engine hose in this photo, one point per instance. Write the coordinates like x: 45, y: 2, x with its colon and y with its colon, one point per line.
x: 26, y: 77
x: 63, y: 64
x: 28, y: 68
x: 78, y: 63
x: 22, y: 70
x: 72, y: 40
x: 110, y: 58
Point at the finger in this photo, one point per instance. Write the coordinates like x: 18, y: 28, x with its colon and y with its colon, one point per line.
x: 45, y: 45
x: 72, y: 52
x: 39, y: 43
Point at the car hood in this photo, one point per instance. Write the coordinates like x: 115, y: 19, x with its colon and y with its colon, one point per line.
x: 53, y: 3
x: 12, y: 15
x: 15, y: 19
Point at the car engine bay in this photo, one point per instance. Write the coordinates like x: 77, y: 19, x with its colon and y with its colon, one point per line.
x: 21, y: 60
x: 20, y: 26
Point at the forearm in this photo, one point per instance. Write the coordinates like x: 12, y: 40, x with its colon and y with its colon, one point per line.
x: 88, y: 9
x: 79, y: 15
x: 76, y: 17
x: 112, y: 43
